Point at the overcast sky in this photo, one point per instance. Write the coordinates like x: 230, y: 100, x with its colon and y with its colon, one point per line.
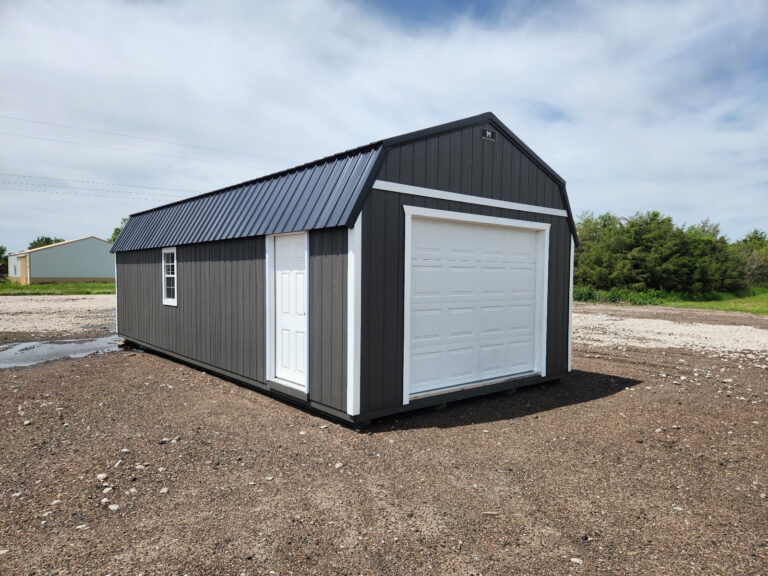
x: 108, y: 108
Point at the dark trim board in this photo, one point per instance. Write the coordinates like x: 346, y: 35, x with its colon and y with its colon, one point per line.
x: 512, y: 383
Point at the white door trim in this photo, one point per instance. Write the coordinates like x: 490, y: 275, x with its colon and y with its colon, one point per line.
x: 354, y: 303
x: 466, y: 199
x: 117, y: 312
x: 570, y: 308
x: 542, y: 282
x: 269, y: 299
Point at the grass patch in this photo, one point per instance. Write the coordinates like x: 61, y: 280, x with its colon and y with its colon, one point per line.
x: 56, y: 289
x: 753, y: 300
x: 756, y: 303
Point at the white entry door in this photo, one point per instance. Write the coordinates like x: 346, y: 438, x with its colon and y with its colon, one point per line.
x: 290, y: 275
x: 472, y: 303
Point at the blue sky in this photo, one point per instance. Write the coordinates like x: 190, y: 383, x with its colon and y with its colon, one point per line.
x: 111, y: 107
x: 436, y: 12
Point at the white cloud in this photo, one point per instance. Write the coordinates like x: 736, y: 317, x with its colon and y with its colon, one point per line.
x: 638, y: 106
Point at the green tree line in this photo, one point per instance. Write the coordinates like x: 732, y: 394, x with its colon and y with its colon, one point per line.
x: 648, y: 252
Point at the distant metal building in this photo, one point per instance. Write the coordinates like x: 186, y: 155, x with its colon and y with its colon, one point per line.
x: 412, y: 271
x: 82, y: 260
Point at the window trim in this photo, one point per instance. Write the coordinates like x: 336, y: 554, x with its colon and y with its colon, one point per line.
x: 170, y: 301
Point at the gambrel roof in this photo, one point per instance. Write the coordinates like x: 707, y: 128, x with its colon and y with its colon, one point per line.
x: 326, y: 193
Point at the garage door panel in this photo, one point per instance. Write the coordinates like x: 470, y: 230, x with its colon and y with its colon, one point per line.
x: 457, y: 239
x: 492, y: 280
x: 520, y: 354
x: 472, y: 303
x: 492, y: 359
x: 524, y: 243
x: 427, y: 239
x: 459, y: 322
x: 521, y: 279
x: 426, y: 280
x: 426, y: 370
x: 460, y: 279
x: 425, y: 325
x: 493, y: 319
x: 488, y: 239
x: 459, y: 363
x: 520, y: 318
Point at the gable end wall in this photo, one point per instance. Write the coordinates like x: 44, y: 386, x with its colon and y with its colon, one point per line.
x: 462, y: 162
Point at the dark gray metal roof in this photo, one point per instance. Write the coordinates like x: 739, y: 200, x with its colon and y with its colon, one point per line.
x: 323, y: 194
x: 320, y: 194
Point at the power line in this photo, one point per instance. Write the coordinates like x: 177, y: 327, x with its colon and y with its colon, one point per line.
x: 146, y: 138
x: 98, y: 182
x: 62, y: 141
x: 66, y: 187
x: 70, y: 193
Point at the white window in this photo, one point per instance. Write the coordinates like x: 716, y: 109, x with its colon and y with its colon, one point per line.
x: 169, y: 276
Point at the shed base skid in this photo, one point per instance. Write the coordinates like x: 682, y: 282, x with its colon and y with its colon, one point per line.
x: 362, y: 420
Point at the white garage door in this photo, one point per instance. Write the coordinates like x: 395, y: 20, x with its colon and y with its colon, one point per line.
x: 472, y: 303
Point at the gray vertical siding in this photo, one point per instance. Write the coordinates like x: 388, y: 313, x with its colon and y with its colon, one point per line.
x: 328, y: 317
x: 220, y: 317
x: 383, y: 291
x: 464, y: 163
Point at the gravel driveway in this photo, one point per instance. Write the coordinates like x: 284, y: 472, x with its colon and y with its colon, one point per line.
x: 645, y: 460
x: 665, y: 327
x: 29, y: 318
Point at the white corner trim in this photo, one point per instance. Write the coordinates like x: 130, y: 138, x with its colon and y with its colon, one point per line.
x: 117, y: 312
x: 570, y: 309
x: 542, y: 303
x: 466, y: 199
x: 542, y: 280
x: 407, y: 307
x: 306, y: 312
x: 170, y: 301
x: 354, y: 307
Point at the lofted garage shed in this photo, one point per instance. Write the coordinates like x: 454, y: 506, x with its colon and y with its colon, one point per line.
x: 412, y: 271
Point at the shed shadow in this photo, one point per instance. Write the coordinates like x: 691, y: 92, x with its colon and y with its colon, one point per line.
x: 576, y: 388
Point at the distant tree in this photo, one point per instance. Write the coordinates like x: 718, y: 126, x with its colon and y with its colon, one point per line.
x: 116, y: 231
x: 648, y: 252
x: 3, y: 261
x: 755, y: 239
x: 44, y: 241
x: 753, y: 249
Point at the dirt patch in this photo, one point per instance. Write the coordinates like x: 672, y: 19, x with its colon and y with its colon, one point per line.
x: 35, y: 318
x: 642, y: 461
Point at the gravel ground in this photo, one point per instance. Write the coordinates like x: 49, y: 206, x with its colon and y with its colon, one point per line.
x: 32, y: 318
x: 648, y: 327
x: 642, y: 461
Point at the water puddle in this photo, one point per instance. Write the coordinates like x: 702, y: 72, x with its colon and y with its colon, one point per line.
x: 28, y: 353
